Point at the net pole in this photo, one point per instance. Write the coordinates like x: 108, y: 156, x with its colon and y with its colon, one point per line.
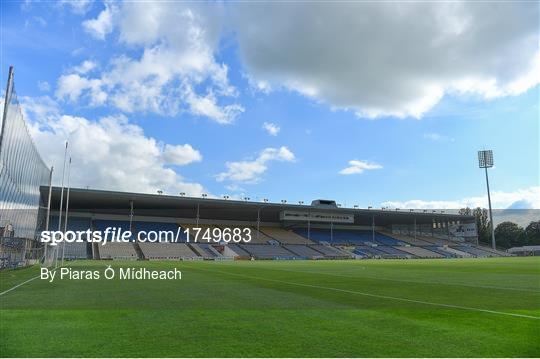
x: 61, y: 199
x: 47, y: 219
x: 67, y: 211
x: 9, y: 86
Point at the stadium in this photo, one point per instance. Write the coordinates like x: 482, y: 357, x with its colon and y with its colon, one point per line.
x: 312, y: 280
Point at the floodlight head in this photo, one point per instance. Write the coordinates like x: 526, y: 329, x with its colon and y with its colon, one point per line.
x: 485, y: 159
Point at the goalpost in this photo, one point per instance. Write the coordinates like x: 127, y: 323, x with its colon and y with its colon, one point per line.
x: 22, y: 174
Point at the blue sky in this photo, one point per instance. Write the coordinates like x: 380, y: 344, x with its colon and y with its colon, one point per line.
x: 186, y: 90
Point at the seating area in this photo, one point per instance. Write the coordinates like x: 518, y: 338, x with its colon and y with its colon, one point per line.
x: 103, y: 224
x: 434, y: 240
x: 441, y: 251
x: 495, y: 252
x: 74, y: 250
x: 347, y: 237
x: 167, y: 251
x: 274, y: 243
x: 115, y: 250
x: 421, y: 252
x: 206, y: 250
x: 304, y: 251
x: 394, y: 252
x: 259, y: 237
x: 261, y: 251
x: 408, y: 239
x: 370, y: 252
x: 458, y: 253
x: 474, y: 251
x: 284, y: 236
x: 239, y: 250
x: 330, y: 252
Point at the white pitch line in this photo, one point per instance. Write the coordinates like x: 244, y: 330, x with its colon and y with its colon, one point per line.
x: 20, y: 284
x: 380, y: 296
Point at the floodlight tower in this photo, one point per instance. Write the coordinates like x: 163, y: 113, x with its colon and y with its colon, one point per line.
x: 485, y: 161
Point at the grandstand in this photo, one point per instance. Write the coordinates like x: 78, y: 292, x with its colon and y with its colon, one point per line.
x: 314, y: 232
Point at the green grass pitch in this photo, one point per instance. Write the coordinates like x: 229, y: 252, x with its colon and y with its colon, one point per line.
x: 374, y: 308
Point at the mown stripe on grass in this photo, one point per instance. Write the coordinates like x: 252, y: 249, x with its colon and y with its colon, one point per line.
x: 380, y: 296
x: 406, y: 280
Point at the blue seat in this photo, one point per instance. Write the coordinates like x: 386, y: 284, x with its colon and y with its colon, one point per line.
x: 347, y: 237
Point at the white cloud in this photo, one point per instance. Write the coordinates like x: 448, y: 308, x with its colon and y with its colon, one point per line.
x: 527, y: 198
x: 101, y: 26
x: 271, y: 128
x: 251, y: 171
x: 79, y: 7
x: 176, y: 70
x: 207, y: 106
x: 436, y: 137
x: 36, y: 20
x: 85, y: 67
x: 44, y: 86
x: 376, y: 59
x: 181, y: 154
x: 110, y: 153
x: 73, y: 86
x: 395, y: 59
x: 357, y: 167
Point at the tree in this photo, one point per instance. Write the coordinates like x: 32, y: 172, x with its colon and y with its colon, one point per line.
x: 465, y: 211
x: 532, y: 233
x: 509, y: 234
x: 482, y: 224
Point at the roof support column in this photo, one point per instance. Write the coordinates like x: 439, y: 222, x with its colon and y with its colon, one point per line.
x: 373, y: 228
x: 131, y: 217
x: 258, y: 222
x: 414, y: 228
x: 309, y: 225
